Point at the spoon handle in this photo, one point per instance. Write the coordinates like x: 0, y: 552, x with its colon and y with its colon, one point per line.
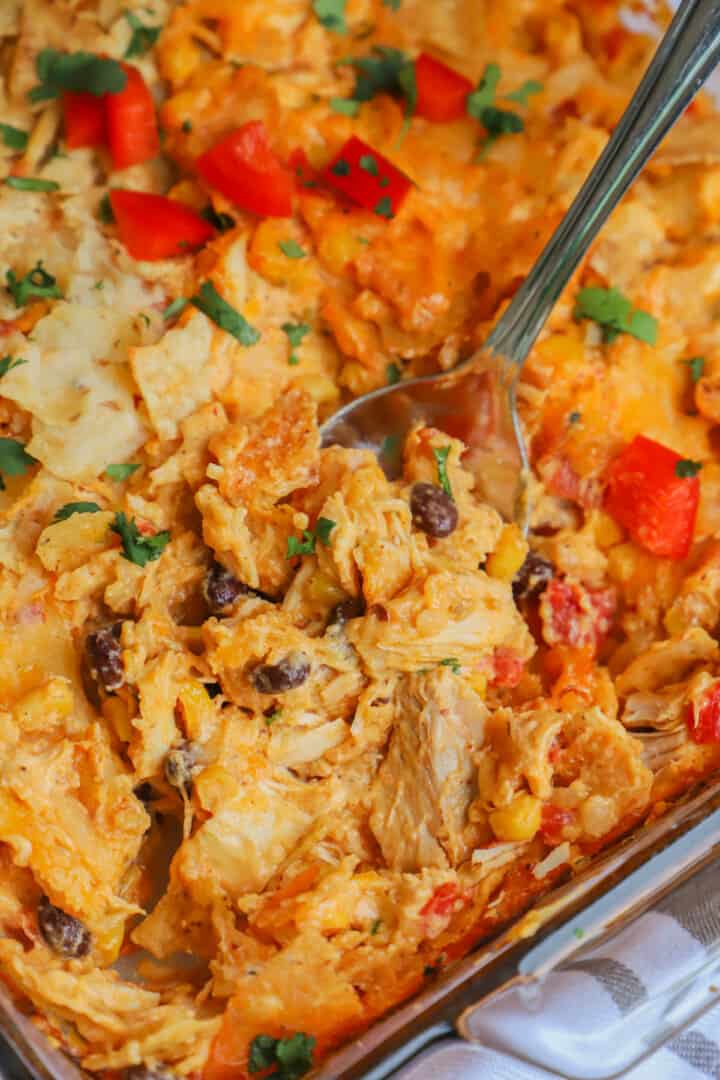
x: 685, y: 58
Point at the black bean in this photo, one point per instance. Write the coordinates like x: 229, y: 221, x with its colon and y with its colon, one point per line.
x: 179, y: 766
x: 222, y: 589
x: 532, y: 577
x: 213, y: 689
x: 64, y: 933
x: 148, y: 1072
x: 288, y: 673
x: 432, y: 510
x: 104, y: 656
x: 352, y: 608
x: 145, y: 792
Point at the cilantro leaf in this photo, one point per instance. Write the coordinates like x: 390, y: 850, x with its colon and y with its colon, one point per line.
x: 483, y: 95
x: 615, y: 314
x: 175, y: 308
x: 220, y: 221
x: 686, y: 468
x: 138, y: 549
x: 378, y: 73
x: 121, y: 472
x: 31, y: 183
x: 9, y: 362
x: 294, y: 1055
x: 441, y: 455
x: 105, y: 210
x: 451, y: 662
x: 393, y: 374
x: 331, y: 13
x: 341, y: 167
x: 36, y: 283
x: 383, y: 207
x: 14, y: 459
x: 344, y: 106
x: 67, y: 511
x: 501, y: 121
x: 13, y: 137
x: 295, y: 334
x: 375, y: 926
x: 696, y: 364
x: 394, y: 4
x: 262, y: 1053
x: 292, y: 249
x: 369, y: 165
x: 143, y: 37
x: 528, y: 88
x: 59, y: 71
x: 211, y: 303
x: 408, y: 85
x: 306, y: 546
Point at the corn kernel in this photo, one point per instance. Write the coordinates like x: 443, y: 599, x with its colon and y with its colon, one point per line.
x: 675, y: 621
x: 195, y: 705
x: 45, y: 706
x: 320, y: 388
x: 109, y: 939
x: 623, y: 562
x: 509, y: 555
x: 214, y: 786
x: 116, y: 712
x: 324, y: 590
x: 479, y: 683
x: 607, y: 531
x: 518, y: 821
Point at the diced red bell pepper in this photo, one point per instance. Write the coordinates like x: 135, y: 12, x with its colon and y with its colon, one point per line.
x: 576, y: 616
x: 508, y: 667
x: 441, y: 92
x: 703, y: 717
x: 367, y: 178
x: 131, y: 122
x: 84, y: 119
x: 442, y: 902
x: 153, y: 227
x: 245, y: 169
x: 645, y: 495
x: 553, y: 820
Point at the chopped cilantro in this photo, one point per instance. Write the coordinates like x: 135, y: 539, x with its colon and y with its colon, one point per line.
x: 393, y: 374
x: 292, y: 249
x: 13, y: 137
x: 271, y: 717
x: 390, y: 446
x: 292, y: 1056
x: 481, y: 105
x: 58, y: 71
x: 37, y: 283
x: 66, y: 511
x: 9, y: 362
x: 375, y: 926
x: 143, y: 37
x: 186, y: 127
x: 451, y: 662
x: 331, y: 13
x: 528, y: 88
x: 137, y: 548
x: 306, y: 545
x: 615, y: 314
x: 696, y: 364
x: 105, y: 210
x: 175, y: 308
x: 295, y: 334
x: 394, y: 4
x: 344, y: 106
x: 31, y: 183
x: 211, y: 303
x: 369, y: 165
x: 501, y: 121
x: 383, y: 207
x: 145, y: 318
x: 483, y: 95
x: 408, y: 85
x: 686, y: 468
x: 14, y: 459
x: 441, y: 455
x: 341, y: 167
x: 220, y: 221
x: 579, y: 934
x: 121, y: 472
x: 378, y: 73
x: 99, y: 286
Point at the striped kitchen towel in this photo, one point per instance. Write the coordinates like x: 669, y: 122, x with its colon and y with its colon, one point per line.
x: 606, y: 1011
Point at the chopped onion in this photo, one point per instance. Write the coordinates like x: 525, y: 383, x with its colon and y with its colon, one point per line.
x: 558, y: 856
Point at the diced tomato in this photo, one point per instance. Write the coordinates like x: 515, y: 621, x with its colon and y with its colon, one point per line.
x: 507, y: 667
x: 245, y: 169
x: 153, y: 227
x: 442, y: 902
x: 552, y: 822
x: 367, y: 178
x: 441, y: 92
x: 131, y: 122
x: 614, y: 41
x: 84, y: 119
x: 656, y: 506
x: 576, y: 616
x: 703, y: 717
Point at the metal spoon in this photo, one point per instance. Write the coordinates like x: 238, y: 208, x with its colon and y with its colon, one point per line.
x: 477, y: 397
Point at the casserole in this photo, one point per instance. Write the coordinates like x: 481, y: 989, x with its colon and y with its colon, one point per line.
x: 378, y: 724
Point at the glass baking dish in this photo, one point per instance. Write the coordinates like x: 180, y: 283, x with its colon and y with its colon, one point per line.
x: 605, y: 896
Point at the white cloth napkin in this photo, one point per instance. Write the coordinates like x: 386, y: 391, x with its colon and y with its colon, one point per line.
x: 601, y: 1012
